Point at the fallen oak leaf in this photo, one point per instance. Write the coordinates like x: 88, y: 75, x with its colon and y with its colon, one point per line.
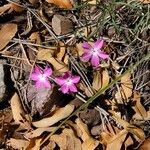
x: 11, y: 30
x: 60, y: 114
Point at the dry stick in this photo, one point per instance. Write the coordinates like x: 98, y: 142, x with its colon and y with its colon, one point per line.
x: 85, y: 105
x: 32, y: 44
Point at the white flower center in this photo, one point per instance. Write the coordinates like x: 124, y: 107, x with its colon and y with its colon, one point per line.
x: 68, y: 82
x: 42, y: 77
x: 94, y: 51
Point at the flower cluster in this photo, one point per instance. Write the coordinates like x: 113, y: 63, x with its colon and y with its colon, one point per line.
x: 68, y: 82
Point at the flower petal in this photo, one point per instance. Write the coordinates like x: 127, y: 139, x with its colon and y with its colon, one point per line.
x: 75, y: 79
x: 60, y: 80
x: 37, y: 70
x: 95, y: 60
x: 67, y: 75
x: 34, y: 77
x: 64, y: 88
x: 86, y: 56
x: 103, y: 55
x: 47, y: 84
x: 47, y: 71
x: 86, y: 45
x: 73, y: 88
x: 98, y: 44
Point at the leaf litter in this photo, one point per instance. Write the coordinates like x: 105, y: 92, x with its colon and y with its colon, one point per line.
x: 60, y: 54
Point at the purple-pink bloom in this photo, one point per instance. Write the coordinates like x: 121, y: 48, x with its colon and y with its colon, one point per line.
x: 68, y: 82
x: 94, y: 53
x: 41, y: 77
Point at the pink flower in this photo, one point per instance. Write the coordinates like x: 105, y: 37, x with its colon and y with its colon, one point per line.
x: 94, y: 53
x: 68, y: 83
x: 41, y: 77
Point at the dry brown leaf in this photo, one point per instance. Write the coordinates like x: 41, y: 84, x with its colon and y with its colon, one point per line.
x: 37, y: 145
x: 50, y: 146
x: 38, y: 132
x: 84, y: 130
x: 137, y: 132
x: 60, y: 114
x: 35, y: 38
x: 101, y: 79
x: 62, y: 4
x: 145, y: 145
x: 126, y: 86
x: 9, y: 8
x: 33, y: 1
x: 67, y: 140
x: 117, y: 141
x: 17, y: 143
x: 45, y: 54
x: 61, y: 25
x: 18, y: 112
x: 62, y: 51
x: 89, y: 143
x: 139, y: 108
x: 7, y: 32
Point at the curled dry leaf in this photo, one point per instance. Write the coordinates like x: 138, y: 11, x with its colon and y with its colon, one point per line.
x: 38, y: 132
x: 62, y: 4
x: 45, y: 54
x: 60, y: 114
x: 126, y: 86
x: 67, y: 140
x: 17, y: 143
x: 139, y: 108
x: 101, y: 79
x: 11, y: 30
x: 89, y: 143
x: 18, y: 112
